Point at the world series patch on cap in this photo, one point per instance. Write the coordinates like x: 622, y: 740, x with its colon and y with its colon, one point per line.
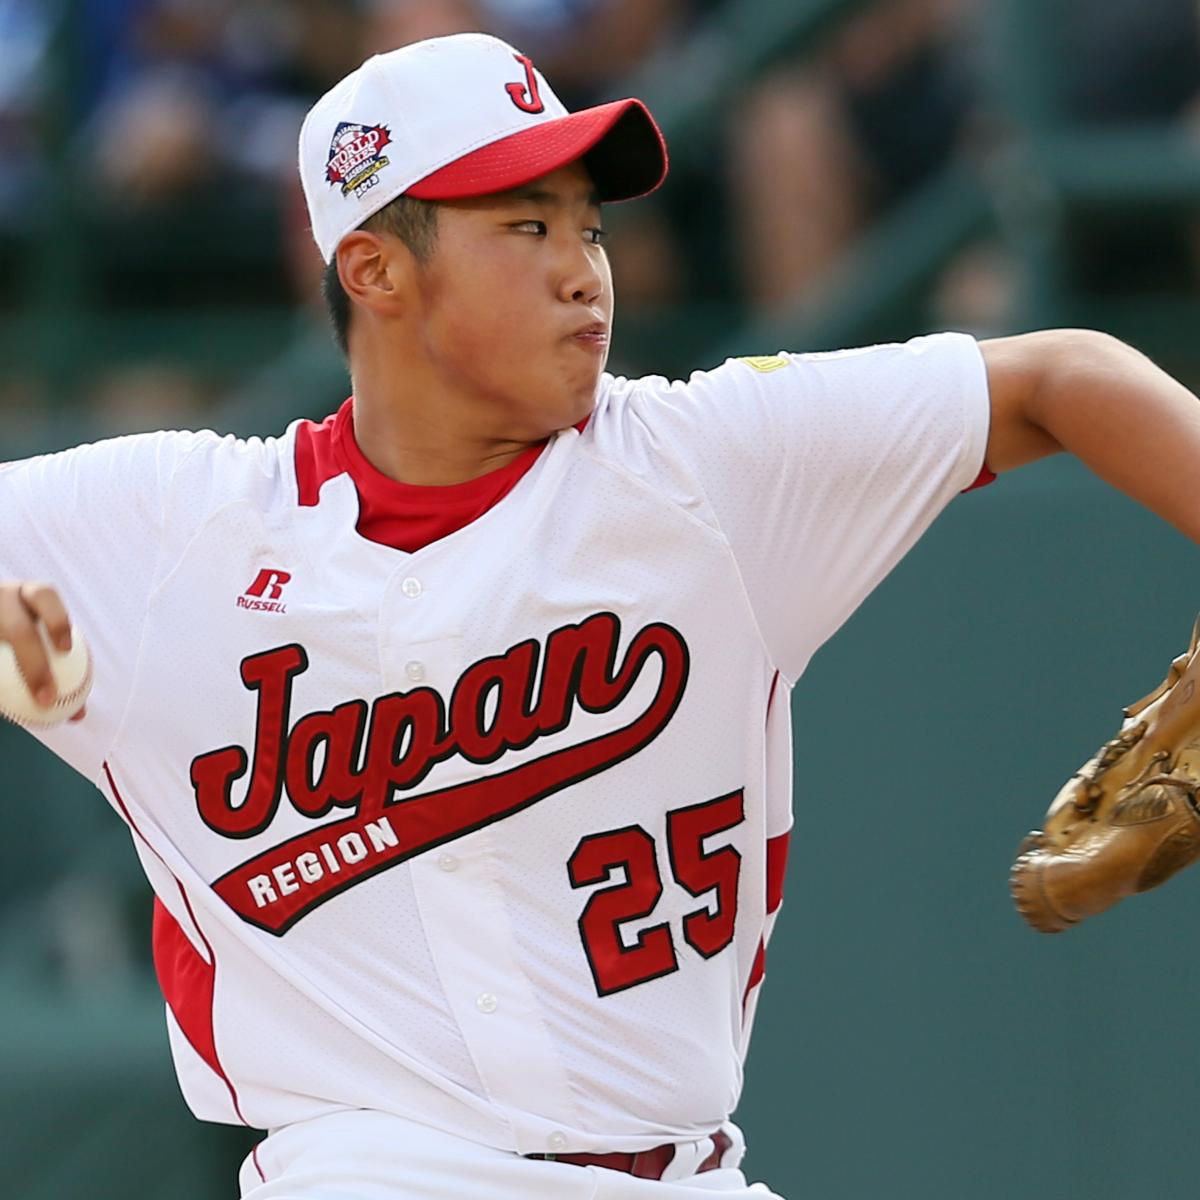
x: 459, y: 116
x: 356, y: 157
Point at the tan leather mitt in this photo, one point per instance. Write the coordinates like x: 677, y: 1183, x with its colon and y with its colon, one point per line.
x: 1128, y: 820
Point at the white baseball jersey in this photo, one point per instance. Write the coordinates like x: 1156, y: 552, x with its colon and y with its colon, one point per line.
x: 490, y: 835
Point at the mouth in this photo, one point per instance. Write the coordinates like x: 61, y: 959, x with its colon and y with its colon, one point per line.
x: 594, y: 336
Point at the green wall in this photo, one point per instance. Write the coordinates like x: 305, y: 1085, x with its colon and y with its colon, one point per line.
x: 914, y: 1039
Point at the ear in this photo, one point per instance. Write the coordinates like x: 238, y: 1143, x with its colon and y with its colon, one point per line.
x: 376, y: 272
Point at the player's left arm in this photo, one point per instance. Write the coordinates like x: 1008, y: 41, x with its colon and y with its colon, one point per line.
x: 1106, y: 403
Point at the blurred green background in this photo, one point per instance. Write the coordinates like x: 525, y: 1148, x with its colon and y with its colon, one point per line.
x: 843, y: 172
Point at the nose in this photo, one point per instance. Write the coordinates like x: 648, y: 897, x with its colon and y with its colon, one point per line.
x: 582, y: 275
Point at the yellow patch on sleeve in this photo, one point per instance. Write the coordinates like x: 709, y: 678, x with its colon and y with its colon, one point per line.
x: 765, y: 363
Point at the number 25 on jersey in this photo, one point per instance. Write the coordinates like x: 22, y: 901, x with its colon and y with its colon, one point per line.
x: 707, y: 930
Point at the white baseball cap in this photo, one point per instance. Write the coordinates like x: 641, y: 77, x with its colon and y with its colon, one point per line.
x: 459, y: 116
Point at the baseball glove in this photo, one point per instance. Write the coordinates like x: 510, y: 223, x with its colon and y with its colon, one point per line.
x: 1128, y: 820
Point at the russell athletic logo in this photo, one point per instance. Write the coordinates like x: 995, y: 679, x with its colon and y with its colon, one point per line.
x: 360, y: 762
x: 356, y: 157
x: 263, y: 595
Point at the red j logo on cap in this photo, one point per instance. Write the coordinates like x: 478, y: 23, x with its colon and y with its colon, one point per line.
x: 525, y: 95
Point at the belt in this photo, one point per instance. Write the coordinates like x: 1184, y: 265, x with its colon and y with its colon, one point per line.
x: 645, y: 1164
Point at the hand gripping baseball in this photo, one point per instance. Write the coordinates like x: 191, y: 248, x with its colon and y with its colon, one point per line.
x: 1128, y: 820
x: 45, y: 666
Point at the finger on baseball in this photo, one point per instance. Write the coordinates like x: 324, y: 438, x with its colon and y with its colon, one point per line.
x: 19, y: 629
x: 79, y: 715
x: 47, y: 606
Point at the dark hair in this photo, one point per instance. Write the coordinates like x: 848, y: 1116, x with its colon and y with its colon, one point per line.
x: 414, y: 222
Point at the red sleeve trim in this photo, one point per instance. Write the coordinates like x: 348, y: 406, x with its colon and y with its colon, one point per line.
x: 985, y: 476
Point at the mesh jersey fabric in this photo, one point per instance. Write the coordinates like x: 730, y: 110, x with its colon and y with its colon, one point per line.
x: 562, y: 951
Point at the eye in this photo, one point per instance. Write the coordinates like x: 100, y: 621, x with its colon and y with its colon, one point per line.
x: 597, y: 236
x: 538, y: 227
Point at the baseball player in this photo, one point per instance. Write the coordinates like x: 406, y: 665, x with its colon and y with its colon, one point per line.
x: 452, y: 733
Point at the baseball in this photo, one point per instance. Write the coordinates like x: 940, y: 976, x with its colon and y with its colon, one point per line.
x: 72, y: 671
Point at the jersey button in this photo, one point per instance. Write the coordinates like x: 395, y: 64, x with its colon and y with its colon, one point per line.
x: 411, y: 587
x: 486, y: 1002
x: 447, y: 862
x: 556, y: 1141
x: 415, y: 671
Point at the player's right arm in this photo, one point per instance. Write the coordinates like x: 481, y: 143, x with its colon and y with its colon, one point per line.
x: 84, y: 538
x: 23, y: 606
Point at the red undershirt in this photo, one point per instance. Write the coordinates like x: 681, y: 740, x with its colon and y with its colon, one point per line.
x: 409, y: 516
x: 405, y: 516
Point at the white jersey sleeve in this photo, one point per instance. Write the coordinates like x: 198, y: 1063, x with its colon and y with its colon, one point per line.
x: 91, y: 521
x: 819, y: 470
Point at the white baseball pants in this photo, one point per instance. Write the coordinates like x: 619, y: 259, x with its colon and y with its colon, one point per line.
x: 375, y: 1156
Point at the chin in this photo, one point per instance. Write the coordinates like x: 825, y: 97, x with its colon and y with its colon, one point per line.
x: 572, y: 405
x: 564, y: 419
x: 583, y: 408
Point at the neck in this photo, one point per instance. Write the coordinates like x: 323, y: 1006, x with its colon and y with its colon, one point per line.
x: 416, y: 430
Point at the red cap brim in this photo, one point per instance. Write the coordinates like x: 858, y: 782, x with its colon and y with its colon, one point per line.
x: 620, y: 144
